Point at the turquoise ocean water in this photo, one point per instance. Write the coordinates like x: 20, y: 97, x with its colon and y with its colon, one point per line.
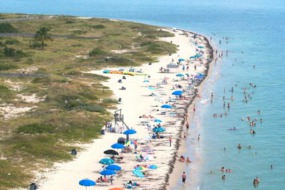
x: 256, y: 34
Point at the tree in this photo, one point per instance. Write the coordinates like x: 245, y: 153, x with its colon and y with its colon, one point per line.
x: 43, y: 35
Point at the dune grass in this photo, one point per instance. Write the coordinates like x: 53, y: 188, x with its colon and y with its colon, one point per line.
x: 73, y: 106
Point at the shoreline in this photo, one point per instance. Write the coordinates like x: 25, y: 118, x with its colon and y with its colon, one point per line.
x: 86, y: 163
x: 177, y: 168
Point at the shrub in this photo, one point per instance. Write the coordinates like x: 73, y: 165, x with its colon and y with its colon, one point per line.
x: 36, y: 128
x: 110, y: 101
x: 13, y: 53
x: 92, y: 108
x: 45, y: 80
x: 7, y: 66
x: 11, y: 42
x: 36, y: 45
x: 98, y: 26
x: 7, y: 28
x: 96, y: 52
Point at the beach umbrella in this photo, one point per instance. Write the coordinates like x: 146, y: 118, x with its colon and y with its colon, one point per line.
x: 158, y: 129
x: 157, y: 121
x: 200, y: 46
x: 151, y: 88
x: 146, y: 80
x: 108, y: 172
x: 106, y: 161
x: 118, y: 146
x: 199, y: 77
x: 180, y: 75
x: 167, y: 106
x: 181, y: 59
x: 117, y: 188
x: 177, y: 92
x: 130, y: 132
x: 153, y: 167
x: 87, y: 182
x: 113, y: 167
x: 111, y: 151
x: 138, y: 173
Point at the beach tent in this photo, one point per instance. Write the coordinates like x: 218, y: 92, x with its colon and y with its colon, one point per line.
x: 172, y: 66
x: 138, y: 173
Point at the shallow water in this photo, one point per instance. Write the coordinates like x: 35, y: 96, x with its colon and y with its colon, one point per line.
x: 255, y: 28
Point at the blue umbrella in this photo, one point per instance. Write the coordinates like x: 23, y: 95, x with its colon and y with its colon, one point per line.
x: 179, y: 75
x: 151, y: 88
x: 177, y: 92
x: 200, y: 46
x: 199, y: 77
x: 108, y: 172
x: 157, y: 121
x: 181, y: 59
x: 166, y: 106
x: 106, y: 161
x: 146, y: 80
x: 118, y: 146
x: 138, y: 173
x: 113, y: 167
x: 87, y: 182
x: 130, y: 132
x: 158, y: 129
x: 153, y: 167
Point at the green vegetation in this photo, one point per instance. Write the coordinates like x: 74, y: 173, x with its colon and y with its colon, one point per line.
x: 7, y: 28
x: 73, y: 103
x: 43, y: 35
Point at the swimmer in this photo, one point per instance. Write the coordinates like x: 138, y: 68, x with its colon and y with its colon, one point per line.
x: 188, y: 160
x: 222, y: 169
x: 211, y: 172
x: 239, y: 146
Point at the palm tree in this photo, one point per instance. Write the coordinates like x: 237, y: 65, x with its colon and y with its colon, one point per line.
x: 43, y: 35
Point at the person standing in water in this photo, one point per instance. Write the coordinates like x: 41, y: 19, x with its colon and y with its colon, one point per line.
x: 183, y: 178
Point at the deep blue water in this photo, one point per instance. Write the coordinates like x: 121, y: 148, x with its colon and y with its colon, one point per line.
x: 256, y: 33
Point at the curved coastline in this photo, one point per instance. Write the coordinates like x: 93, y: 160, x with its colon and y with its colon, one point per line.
x: 175, y: 169
x: 87, y: 164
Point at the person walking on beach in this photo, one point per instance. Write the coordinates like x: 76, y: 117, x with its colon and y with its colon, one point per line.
x: 170, y: 139
x: 183, y: 178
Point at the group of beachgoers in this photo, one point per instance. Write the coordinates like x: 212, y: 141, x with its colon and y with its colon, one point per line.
x: 247, y: 92
x: 158, y: 132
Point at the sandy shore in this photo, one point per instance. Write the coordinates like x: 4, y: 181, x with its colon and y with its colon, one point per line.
x: 138, y: 100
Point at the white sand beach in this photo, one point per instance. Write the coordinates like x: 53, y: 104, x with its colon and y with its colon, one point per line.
x: 140, y: 104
